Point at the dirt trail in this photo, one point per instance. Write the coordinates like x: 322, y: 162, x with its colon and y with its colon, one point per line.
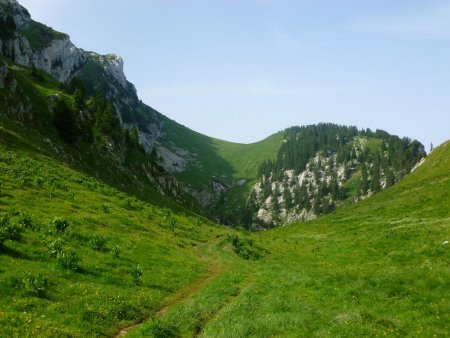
x: 189, y: 290
x: 215, y: 269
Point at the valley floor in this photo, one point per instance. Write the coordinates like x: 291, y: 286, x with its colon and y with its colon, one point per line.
x: 377, y: 268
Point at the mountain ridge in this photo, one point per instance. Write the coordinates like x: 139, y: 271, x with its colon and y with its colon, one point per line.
x: 220, y: 175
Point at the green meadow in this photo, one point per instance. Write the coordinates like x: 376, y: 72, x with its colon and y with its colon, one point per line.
x: 79, y: 258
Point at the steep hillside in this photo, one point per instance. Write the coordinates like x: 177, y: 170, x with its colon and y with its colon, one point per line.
x: 81, y: 131
x: 80, y: 258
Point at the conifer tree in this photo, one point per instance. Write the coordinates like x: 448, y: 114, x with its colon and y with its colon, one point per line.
x: 375, y: 182
x: 64, y: 120
x: 287, y: 198
x: 79, y: 99
x: 390, y: 179
x: 364, y: 185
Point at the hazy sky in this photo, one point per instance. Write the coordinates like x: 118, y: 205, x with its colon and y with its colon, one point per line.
x: 242, y: 69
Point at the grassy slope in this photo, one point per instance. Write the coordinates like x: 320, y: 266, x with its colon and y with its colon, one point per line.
x: 245, y: 158
x: 378, y: 268
x: 83, y: 156
x: 40, y: 36
x: 372, y: 268
x: 99, y: 296
x: 222, y: 160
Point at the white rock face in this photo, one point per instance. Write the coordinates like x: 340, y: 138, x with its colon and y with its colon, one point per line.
x: 174, y: 160
x: 61, y: 59
x: 207, y: 197
x: 422, y: 161
x: 113, y: 65
x: 20, y: 14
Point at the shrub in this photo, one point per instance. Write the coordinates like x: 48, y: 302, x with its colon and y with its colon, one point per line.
x: 137, y: 273
x: 243, y: 248
x: 9, y: 230
x: 40, y: 181
x: 171, y: 224
x: 98, y: 242
x: 129, y: 204
x: 54, y: 247
x: 72, y: 196
x: 51, y: 192
x: 12, y: 212
x: 115, y: 251
x: 35, y: 284
x: 92, y: 316
x: 26, y: 220
x: 68, y: 260
x: 60, y: 224
x: 132, y: 242
x: 124, y: 311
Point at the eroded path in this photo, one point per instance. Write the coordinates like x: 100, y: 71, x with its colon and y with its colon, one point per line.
x: 202, y: 299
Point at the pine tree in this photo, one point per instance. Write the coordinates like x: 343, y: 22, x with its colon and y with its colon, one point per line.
x: 287, y: 198
x: 390, y: 178
x: 317, y: 205
x: 375, y: 185
x: 334, y: 189
x: 364, y: 185
x: 64, y: 120
x: 134, y: 136
x: 275, y: 208
x: 79, y: 99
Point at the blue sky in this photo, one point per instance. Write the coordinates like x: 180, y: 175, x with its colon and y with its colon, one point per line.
x: 242, y: 69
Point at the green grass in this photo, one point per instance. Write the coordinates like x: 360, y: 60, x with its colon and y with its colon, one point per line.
x: 375, y: 268
x: 217, y: 159
x: 97, y: 294
x: 40, y: 36
x: 245, y: 158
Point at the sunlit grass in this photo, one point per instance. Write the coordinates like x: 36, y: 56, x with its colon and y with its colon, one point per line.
x: 377, y: 268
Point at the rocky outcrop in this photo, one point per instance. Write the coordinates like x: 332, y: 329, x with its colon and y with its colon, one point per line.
x: 55, y: 54
x: 210, y: 195
x: 63, y: 60
x: 18, y: 13
x: 59, y: 58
